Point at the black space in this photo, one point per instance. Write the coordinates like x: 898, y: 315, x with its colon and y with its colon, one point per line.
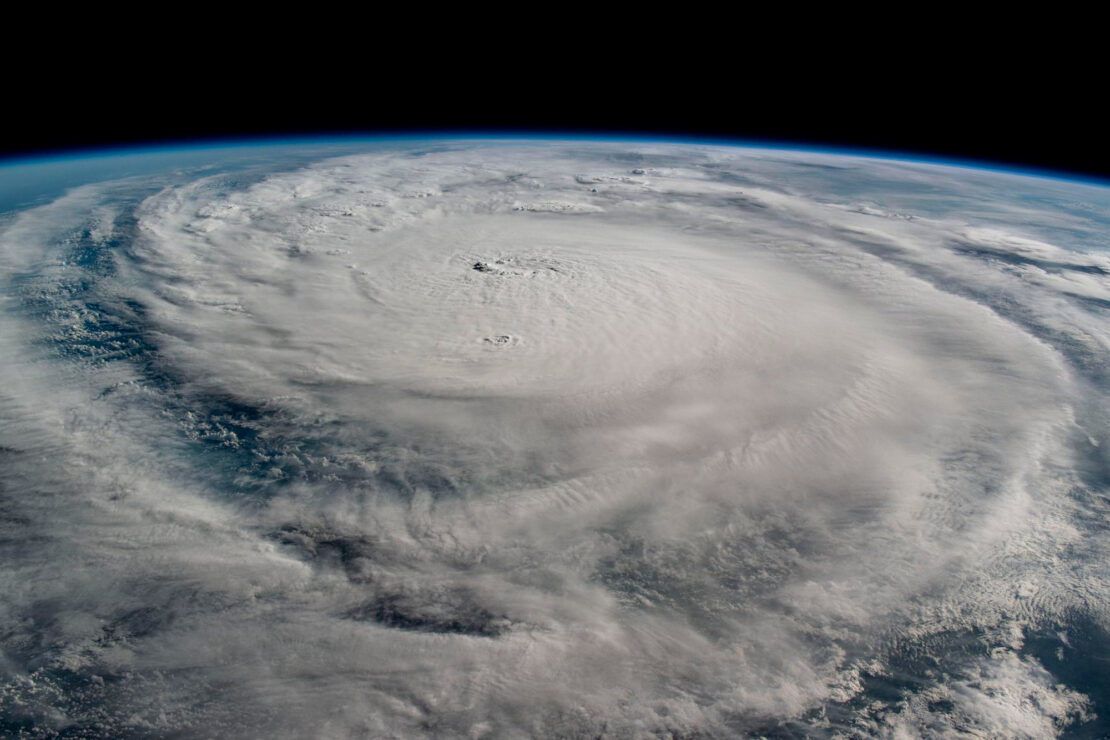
x: 1003, y: 105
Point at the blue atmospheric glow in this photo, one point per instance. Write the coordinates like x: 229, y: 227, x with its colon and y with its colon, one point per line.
x: 350, y: 138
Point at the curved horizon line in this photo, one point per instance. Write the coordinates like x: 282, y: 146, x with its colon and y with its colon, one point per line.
x: 200, y: 143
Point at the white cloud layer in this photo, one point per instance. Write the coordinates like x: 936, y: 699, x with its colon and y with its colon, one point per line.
x: 551, y: 439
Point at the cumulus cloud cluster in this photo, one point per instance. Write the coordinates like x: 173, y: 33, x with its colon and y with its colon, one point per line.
x: 571, y: 439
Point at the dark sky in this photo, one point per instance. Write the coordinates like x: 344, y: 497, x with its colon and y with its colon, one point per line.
x: 1001, y: 106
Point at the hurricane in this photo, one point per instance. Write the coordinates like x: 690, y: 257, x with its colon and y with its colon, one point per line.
x: 554, y: 438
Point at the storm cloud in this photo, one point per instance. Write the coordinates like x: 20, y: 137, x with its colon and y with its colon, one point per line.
x: 554, y: 439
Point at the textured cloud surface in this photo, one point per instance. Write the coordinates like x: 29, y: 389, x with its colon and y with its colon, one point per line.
x: 556, y: 439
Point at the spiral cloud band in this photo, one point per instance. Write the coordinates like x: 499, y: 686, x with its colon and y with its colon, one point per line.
x: 569, y: 439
